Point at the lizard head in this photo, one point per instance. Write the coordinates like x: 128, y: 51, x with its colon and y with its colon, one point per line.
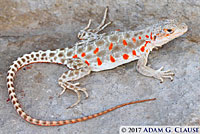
x: 166, y: 31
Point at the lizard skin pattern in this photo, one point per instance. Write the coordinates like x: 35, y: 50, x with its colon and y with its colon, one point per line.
x: 98, y: 52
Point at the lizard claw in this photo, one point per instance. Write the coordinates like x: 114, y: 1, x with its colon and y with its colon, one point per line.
x: 76, y: 84
x: 161, y: 68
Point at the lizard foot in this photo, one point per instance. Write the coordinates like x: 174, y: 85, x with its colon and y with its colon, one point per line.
x: 76, y: 89
x: 159, y: 74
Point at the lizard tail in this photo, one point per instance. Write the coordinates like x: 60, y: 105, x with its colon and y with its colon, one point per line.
x: 46, y: 57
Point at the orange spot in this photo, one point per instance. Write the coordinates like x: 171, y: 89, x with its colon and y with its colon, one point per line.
x: 112, y: 59
x: 124, y: 42
x: 134, y: 52
x: 134, y: 40
x: 142, y: 48
x: 151, y: 36
x: 140, y: 37
x: 87, y: 62
x: 167, y: 34
x: 99, y: 61
x: 111, y: 46
x: 96, y: 50
x: 125, y: 56
x: 75, y: 56
x: 165, y: 30
x: 147, y: 43
x: 117, y: 30
x: 147, y: 36
x: 83, y: 55
x: 147, y: 50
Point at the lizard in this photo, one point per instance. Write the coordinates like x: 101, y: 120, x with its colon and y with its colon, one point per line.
x: 97, y: 52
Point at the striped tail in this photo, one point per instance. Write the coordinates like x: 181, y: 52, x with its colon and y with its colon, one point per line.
x: 46, y: 57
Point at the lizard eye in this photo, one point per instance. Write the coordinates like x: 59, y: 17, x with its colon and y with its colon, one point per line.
x: 169, y: 30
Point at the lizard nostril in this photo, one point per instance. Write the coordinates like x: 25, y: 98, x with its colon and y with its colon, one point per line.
x: 184, y: 26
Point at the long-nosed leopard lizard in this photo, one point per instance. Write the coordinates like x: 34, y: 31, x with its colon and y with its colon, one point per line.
x: 98, y: 52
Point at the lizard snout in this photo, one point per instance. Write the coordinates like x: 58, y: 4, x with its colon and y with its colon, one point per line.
x: 184, y: 27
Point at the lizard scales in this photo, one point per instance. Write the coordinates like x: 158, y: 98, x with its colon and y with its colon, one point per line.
x: 97, y: 52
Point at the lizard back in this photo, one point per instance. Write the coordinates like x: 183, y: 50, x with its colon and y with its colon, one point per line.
x: 113, y: 50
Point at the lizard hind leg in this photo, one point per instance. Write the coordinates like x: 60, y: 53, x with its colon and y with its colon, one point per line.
x: 65, y: 81
x: 103, y: 25
x: 87, y: 34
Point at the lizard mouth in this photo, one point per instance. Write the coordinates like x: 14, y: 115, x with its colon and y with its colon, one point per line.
x: 177, y: 34
x: 181, y: 31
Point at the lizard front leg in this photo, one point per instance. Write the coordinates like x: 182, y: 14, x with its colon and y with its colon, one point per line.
x: 147, y: 71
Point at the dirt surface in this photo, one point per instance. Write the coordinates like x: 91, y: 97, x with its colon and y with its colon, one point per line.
x: 40, y: 25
